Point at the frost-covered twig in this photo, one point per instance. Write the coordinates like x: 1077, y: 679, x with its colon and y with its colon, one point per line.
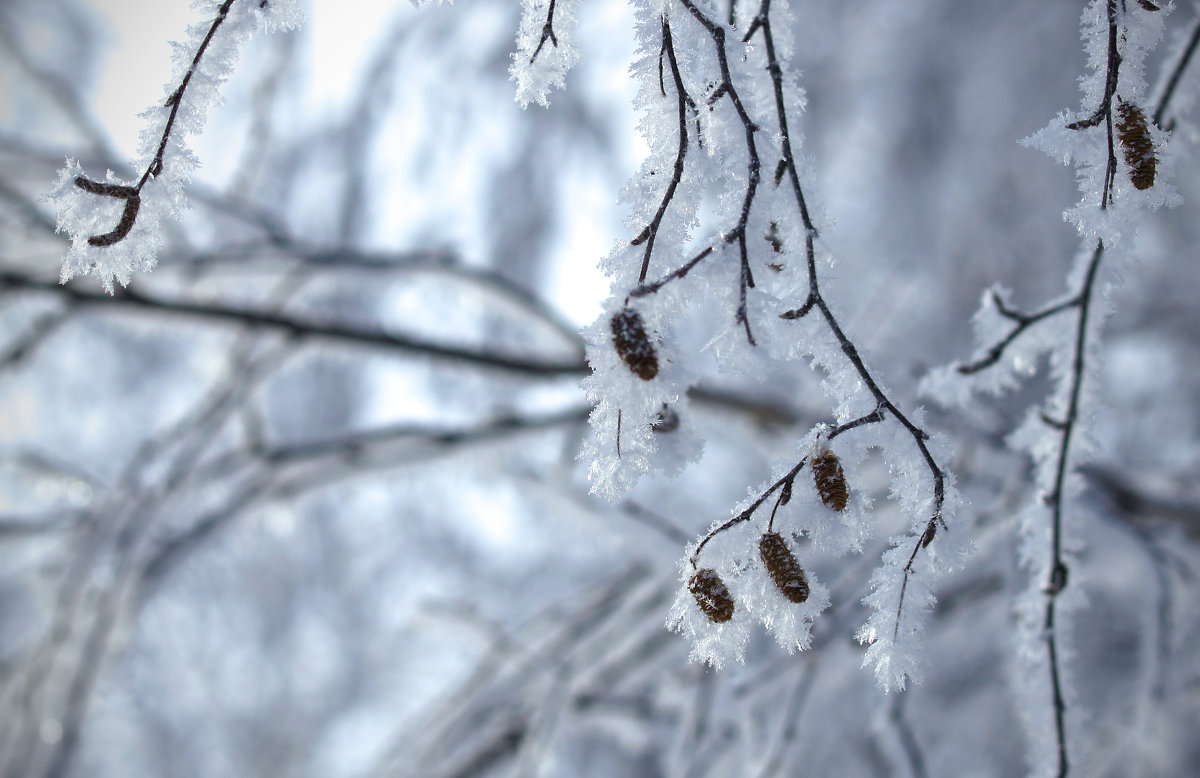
x: 685, y: 102
x: 725, y: 89
x: 132, y: 244
x: 1118, y: 39
x: 547, y: 33
x: 535, y: 68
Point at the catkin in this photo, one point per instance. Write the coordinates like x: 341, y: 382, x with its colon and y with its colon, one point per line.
x: 782, y: 565
x: 830, y: 480
x: 711, y: 595
x: 633, y: 344
x: 1134, y: 134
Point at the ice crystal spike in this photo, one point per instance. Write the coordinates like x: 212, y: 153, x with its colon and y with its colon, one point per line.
x: 782, y: 565
x: 633, y: 344
x: 1135, y: 140
x: 711, y: 595
x: 830, y: 480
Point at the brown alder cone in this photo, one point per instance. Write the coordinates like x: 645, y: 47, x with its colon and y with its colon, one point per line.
x: 830, y: 480
x: 711, y: 595
x: 782, y: 565
x: 633, y: 344
x: 1134, y: 134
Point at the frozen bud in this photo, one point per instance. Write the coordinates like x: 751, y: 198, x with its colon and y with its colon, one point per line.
x: 782, y: 565
x: 667, y: 420
x: 711, y: 595
x: 830, y: 480
x: 1135, y: 141
x: 633, y: 344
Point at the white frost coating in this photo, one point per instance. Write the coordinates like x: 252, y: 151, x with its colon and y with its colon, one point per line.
x: 545, y: 49
x: 84, y: 215
x: 900, y: 602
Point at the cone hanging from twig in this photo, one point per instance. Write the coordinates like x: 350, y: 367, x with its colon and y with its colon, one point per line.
x: 1134, y: 134
x: 711, y: 595
x: 782, y: 565
x: 633, y: 344
x: 830, y: 480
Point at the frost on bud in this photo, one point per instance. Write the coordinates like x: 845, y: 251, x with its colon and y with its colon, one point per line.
x: 782, y: 565
x: 667, y: 420
x: 633, y: 344
x: 711, y: 595
x: 830, y: 480
x: 1135, y: 141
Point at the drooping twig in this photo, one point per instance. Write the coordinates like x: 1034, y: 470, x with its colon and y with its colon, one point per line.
x: 762, y: 25
x: 132, y: 194
x: 815, y: 301
x: 649, y: 234
x: 727, y: 90
x: 1103, y: 111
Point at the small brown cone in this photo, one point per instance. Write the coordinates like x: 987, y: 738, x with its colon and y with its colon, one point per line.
x: 830, y: 480
x: 711, y: 595
x: 1134, y: 134
x: 782, y: 565
x: 633, y: 344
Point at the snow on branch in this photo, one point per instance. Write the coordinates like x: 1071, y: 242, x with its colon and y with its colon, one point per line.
x: 116, y: 226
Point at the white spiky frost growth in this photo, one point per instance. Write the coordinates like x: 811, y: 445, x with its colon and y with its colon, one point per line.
x: 163, y: 197
x: 699, y: 313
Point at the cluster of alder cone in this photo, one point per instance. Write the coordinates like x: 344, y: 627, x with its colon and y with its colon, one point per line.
x: 633, y: 345
x: 710, y: 591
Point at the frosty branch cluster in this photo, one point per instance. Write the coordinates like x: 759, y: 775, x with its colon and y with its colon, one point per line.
x: 714, y: 240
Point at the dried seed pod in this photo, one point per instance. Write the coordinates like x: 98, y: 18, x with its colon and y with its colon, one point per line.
x: 1134, y: 134
x: 782, y: 565
x: 711, y: 595
x: 830, y: 480
x: 633, y: 344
